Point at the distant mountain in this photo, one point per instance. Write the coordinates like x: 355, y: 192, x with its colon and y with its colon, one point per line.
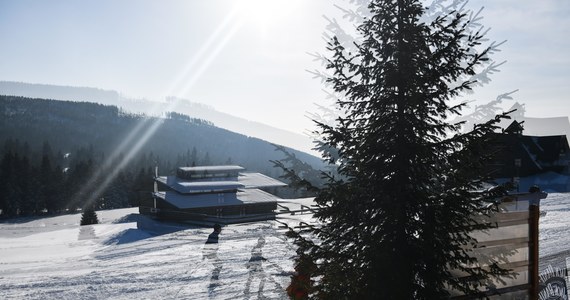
x: 183, y: 106
x: 56, y: 92
x: 109, y: 132
x: 243, y: 126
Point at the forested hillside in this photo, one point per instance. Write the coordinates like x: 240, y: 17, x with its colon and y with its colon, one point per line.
x: 48, y: 91
x: 146, y: 106
x: 51, y: 149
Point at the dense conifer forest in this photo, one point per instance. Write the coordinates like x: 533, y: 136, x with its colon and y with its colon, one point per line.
x: 56, y: 154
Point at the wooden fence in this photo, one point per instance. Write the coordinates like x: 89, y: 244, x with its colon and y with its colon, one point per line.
x: 512, y: 245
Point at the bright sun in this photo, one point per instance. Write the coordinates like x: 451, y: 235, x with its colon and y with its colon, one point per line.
x: 264, y: 13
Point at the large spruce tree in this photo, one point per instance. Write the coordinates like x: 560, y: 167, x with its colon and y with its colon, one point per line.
x: 396, y: 219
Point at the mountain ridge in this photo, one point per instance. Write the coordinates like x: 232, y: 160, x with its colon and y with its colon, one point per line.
x: 154, y: 108
x: 72, y: 125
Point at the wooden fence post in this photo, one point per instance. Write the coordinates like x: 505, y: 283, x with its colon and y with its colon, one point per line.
x: 534, y: 214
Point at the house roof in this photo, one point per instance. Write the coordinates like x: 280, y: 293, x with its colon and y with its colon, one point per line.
x: 204, y: 185
x: 541, y: 126
x: 187, y: 201
x: 515, y: 127
x: 547, y: 148
x: 523, y: 155
x: 202, y: 169
x: 258, y: 180
x: 193, y: 187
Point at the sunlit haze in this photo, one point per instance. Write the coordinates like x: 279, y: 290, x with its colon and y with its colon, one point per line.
x: 249, y: 58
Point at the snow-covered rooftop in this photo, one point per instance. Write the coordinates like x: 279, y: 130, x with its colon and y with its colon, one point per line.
x: 191, y: 187
x: 247, y: 196
x: 212, y: 169
x: 244, y: 180
x: 258, y: 180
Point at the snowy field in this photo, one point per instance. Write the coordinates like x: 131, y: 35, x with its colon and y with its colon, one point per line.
x: 129, y: 256
x: 554, y: 236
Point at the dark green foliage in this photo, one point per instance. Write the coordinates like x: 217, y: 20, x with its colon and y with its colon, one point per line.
x: 66, y: 154
x: 10, y: 197
x: 396, y: 217
x: 89, y: 216
x: 36, y: 189
x: 302, y: 178
x: 301, y: 281
x: 79, y: 183
x: 142, y: 186
x: 97, y: 129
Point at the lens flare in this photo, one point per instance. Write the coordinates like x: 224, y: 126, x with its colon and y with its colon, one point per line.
x: 131, y: 145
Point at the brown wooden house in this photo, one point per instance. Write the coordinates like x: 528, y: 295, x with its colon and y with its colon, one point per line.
x: 518, y: 155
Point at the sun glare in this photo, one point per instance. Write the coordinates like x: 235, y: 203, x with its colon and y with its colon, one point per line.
x: 260, y: 13
x: 265, y: 13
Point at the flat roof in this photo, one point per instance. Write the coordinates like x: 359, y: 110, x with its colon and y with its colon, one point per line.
x: 250, y: 196
x: 202, y: 169
x: 186, y: 187
x: 244, y: 180
x: 258, y: 180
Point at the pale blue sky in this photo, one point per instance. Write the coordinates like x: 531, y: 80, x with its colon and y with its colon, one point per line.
x: 248, y: 57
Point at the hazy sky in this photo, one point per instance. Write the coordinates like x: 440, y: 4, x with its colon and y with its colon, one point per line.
x: 248, y: 57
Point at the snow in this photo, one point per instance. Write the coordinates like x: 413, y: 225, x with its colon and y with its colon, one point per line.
x: 554, y: 239
x: 550, y: 182
x: 129, y: 256
x: 248, y: 196
x: 212, y: 169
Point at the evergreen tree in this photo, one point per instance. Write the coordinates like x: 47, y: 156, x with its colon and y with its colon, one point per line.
x: 7, y: 185
x: 396, y: 218
x: 46, y: 150
x: 302, y: 178
x: 207, y: 161
x: 117, y: 194
x: 47, y: 184
x: 59, y: 197
x: 194, y: 157
x: 141, y: 187
x: 77, y: 181
x: 26, y: 188
x: 89, y: 216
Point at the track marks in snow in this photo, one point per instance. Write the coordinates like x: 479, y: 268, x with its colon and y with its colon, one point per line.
x: 554, y: 236
x: 163, y: 266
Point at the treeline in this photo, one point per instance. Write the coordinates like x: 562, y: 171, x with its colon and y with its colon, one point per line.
x: 61, y: 182
x: 73, y: 125
x: 47, y: 91
x: 58, y: 156
x: 53, y: 182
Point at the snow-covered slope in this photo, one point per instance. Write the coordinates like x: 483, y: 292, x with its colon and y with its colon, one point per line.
x: 554, y: 239
x: 129, y: 256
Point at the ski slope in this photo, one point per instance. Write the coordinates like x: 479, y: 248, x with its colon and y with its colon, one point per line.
x: 554, y: 230
x: 128, y: 256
